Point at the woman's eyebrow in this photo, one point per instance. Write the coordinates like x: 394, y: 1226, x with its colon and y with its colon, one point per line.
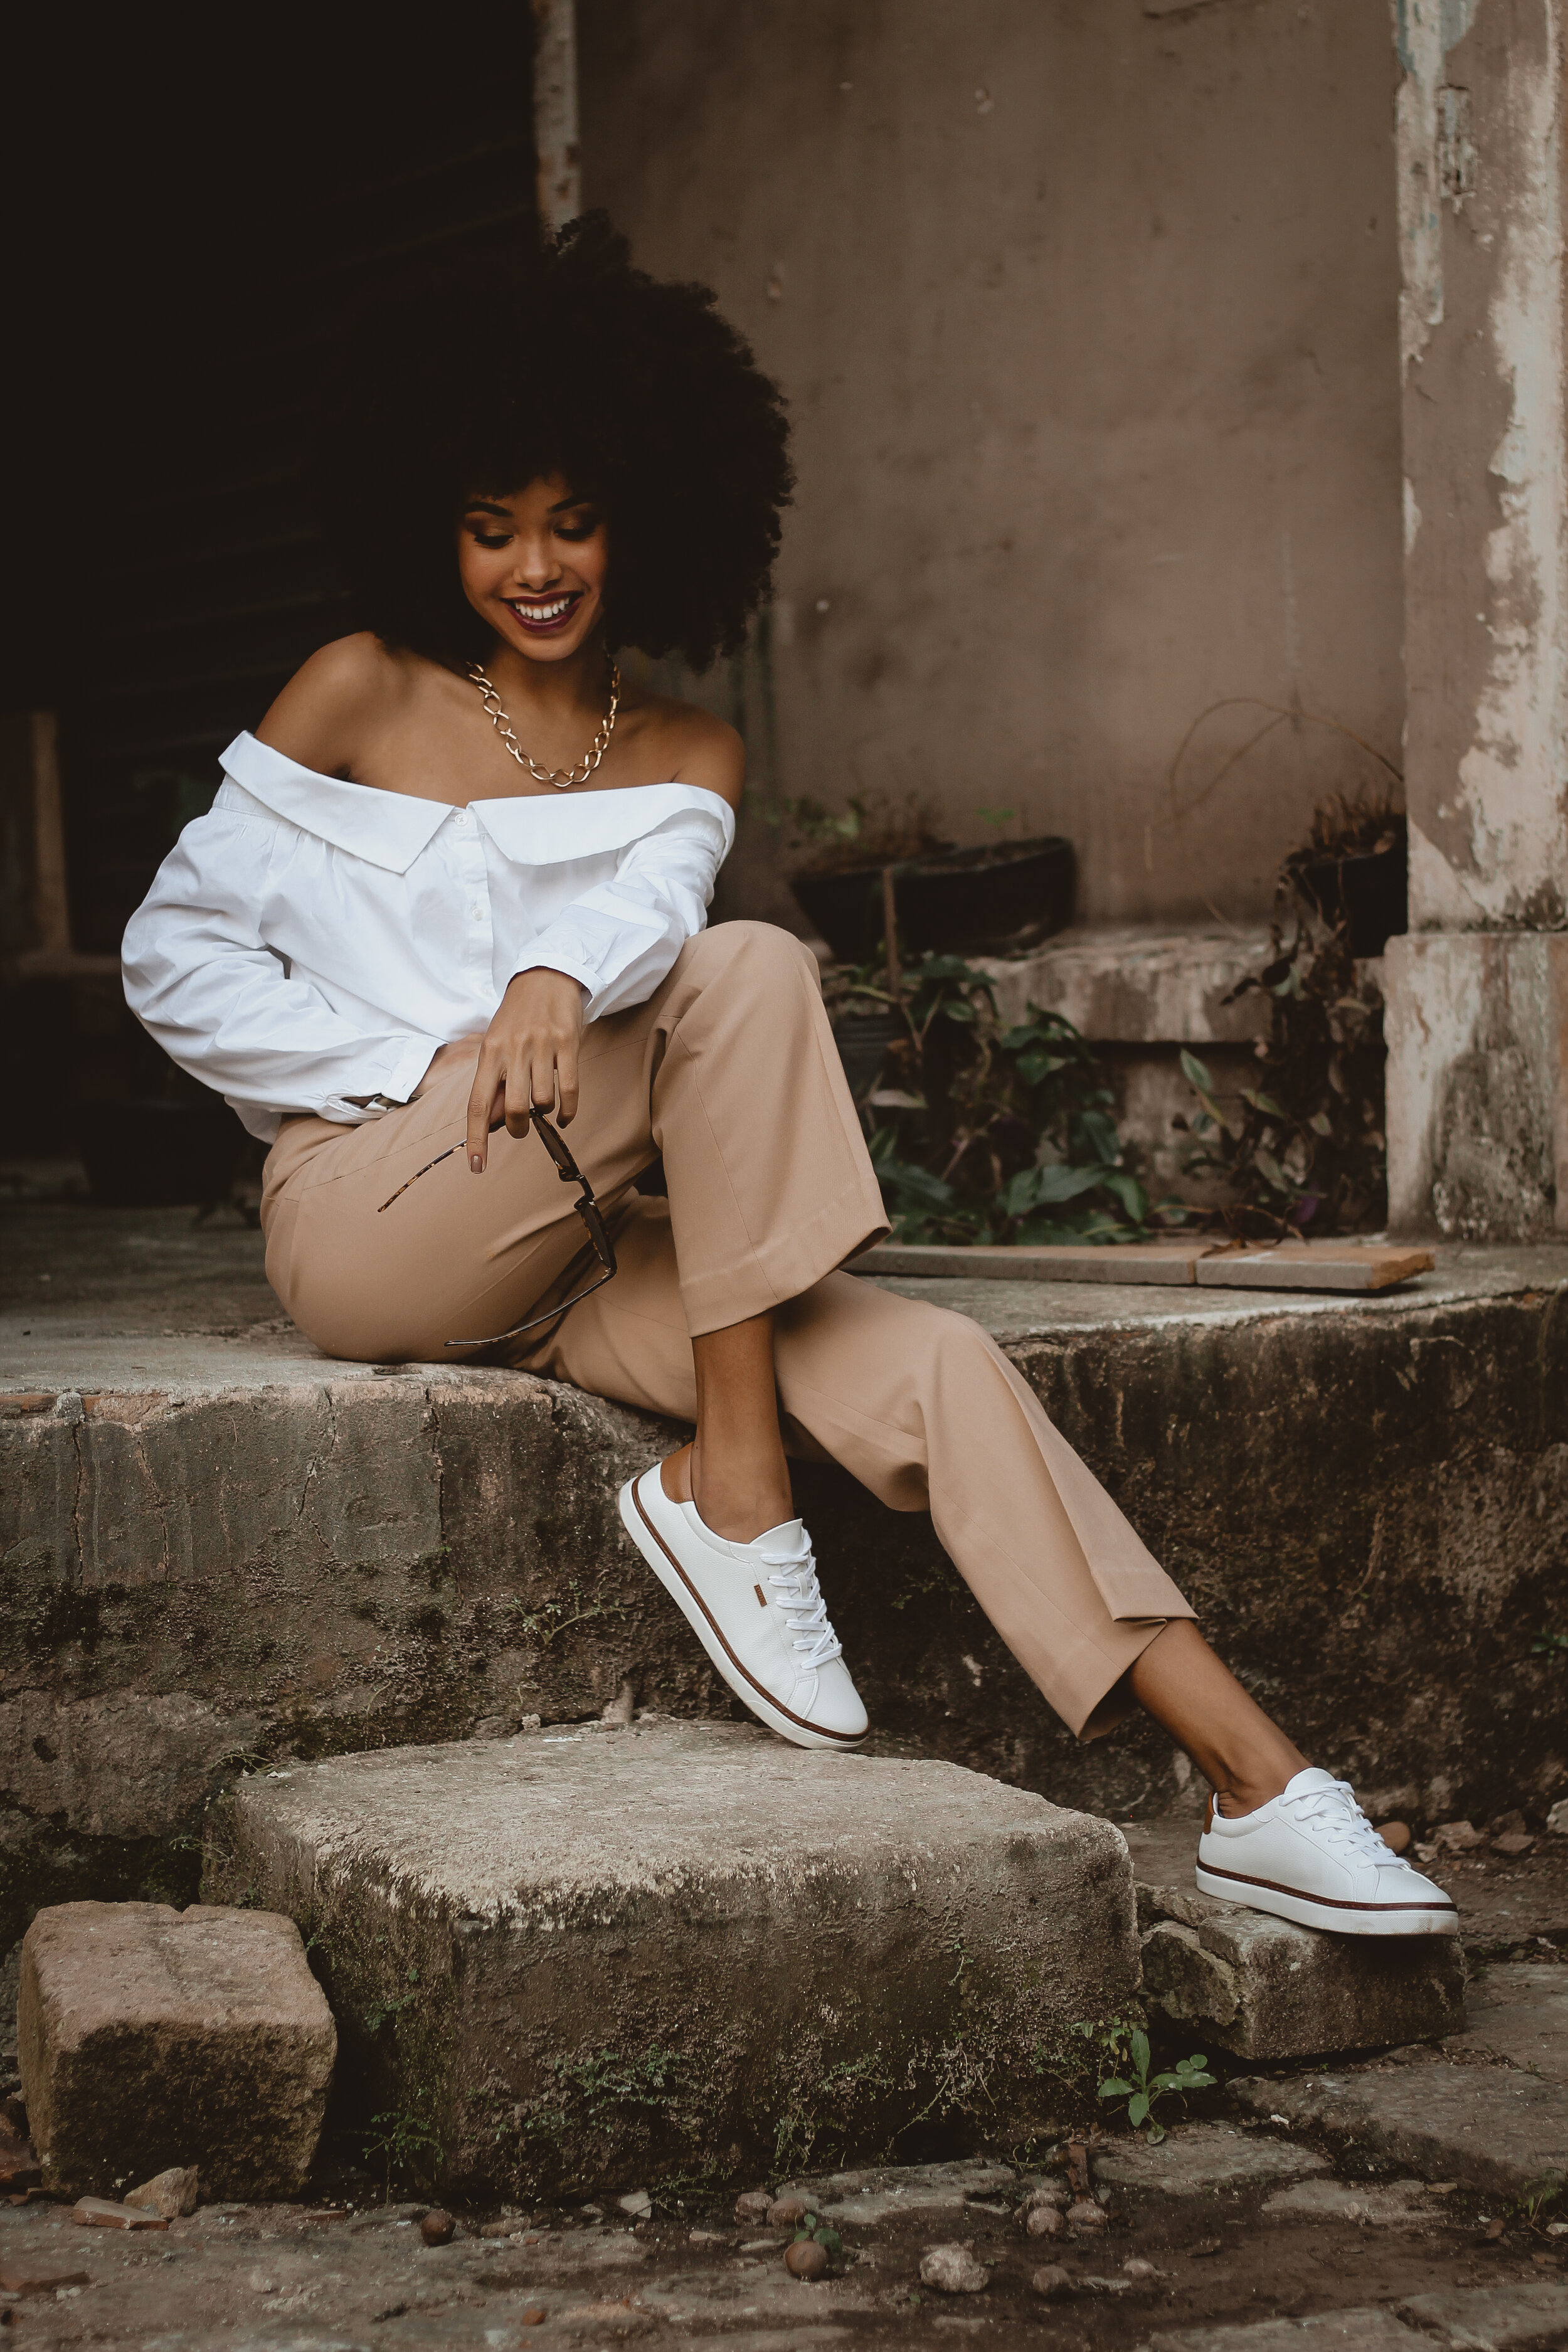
x: 489, y: 506
x: 562, y: 504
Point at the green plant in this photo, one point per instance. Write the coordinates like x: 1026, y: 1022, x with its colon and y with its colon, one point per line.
x: 998, y: 1133
x: 1144, y: 2089
x: 1549, y: 1645
x: 404, y: 2137
x: 812, y: 2229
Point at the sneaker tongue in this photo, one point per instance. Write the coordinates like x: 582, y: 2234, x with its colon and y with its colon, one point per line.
x: 1306, y: 1783
x: 788, y: 1541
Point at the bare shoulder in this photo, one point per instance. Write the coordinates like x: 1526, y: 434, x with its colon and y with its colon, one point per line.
x: 343, y: 693
x: 693, y: 747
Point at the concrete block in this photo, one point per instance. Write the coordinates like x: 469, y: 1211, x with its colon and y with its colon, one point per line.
x: 1478, y: 1083
x: 1263, y: 1988
x: 1491, y: 2128
x: 227, y: 1551
x: 598, y: 1957
x: 150, y: 2039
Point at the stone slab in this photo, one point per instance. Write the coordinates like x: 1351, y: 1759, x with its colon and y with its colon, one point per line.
x: 1263, y: 1987
x: 1196, y: 2160
x: 1519, y: 2011
x: 1394, y: 2205
x: 1490, y: 2128
x: 216, y: 1548
x: 1366, y: 2329
x: 882, y: 2193
x: 150, y: 2039
x: 1516, y: 2317
x: 603, y: 1956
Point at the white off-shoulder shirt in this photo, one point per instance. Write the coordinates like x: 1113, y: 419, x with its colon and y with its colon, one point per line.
x: 309, y: 941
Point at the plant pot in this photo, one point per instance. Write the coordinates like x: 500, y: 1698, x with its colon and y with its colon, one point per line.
x: 987, y: 901
x: 1368, y: 891
x: 992, y: 900
x: 863, y: 1039
x: 151, y: 1153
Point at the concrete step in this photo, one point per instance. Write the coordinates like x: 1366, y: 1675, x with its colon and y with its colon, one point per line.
x: 594, y: 1958
x: 1263, y: 1988
x: 218, y: 1547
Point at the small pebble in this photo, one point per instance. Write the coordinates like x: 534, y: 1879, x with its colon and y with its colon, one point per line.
x: 1051, y: 2193
x: 1494, y: 2228
x: 706, y: 2237
x: 752, y: 2205
x: 1396, y: 1835
x: 1051, y: 2280
x: 437, y: 2228
x: 1044, y: 2221
x: 1513, y: 1841
x: 638, y: 2204
x: 1557, y: 2229
x: 1086, y: 2215
x: 1135, y: 2267
x: 1207, y: 2246
x: 531, y: 2316
x: 805, y: 2259
x: 787, y: 2211
x: 952, y: 2269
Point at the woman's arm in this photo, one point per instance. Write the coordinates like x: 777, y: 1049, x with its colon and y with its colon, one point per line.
x: 222, y: 1004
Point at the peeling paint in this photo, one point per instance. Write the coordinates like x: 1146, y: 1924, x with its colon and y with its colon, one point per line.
x: 1424, y: 31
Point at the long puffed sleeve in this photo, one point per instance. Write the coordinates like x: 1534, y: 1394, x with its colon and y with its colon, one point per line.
x: 619, y: 939
x: 225, y: 1005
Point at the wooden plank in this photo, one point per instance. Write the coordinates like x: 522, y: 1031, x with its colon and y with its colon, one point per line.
x: 1321, y: 1265
x: 1010, y: 1261
x: 1295, y: 1265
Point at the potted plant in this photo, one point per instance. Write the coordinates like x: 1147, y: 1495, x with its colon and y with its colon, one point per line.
x: 1353, y: 869
x: 999, y: 898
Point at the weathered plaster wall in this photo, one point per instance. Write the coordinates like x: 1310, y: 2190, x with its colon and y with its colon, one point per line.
x: 1478, y: 1016
x: 1481, y: 164
x: 1086, y: 311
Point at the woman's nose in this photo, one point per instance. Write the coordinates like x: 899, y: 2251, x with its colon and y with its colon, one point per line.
x: 536, y: 568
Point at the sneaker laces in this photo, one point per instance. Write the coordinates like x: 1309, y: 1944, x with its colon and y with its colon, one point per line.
x: 1336, y: 1816
x: 805, y: 1611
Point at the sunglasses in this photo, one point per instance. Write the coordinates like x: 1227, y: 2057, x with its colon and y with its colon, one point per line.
x: 587, y: 1208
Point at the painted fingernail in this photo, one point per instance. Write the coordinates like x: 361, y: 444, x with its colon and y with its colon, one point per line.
x: 477, y: 1164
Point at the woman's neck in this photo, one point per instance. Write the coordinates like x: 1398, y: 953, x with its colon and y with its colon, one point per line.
x: 552, y: 690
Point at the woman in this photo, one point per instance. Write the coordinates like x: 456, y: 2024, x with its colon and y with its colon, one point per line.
x: 460, y: 873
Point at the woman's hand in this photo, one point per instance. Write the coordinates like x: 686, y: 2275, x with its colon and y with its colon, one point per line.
x: 529, y: 1055
x: 461, y: 1049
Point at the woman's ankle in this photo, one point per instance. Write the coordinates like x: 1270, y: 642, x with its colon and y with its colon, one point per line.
x: 736, y: 1501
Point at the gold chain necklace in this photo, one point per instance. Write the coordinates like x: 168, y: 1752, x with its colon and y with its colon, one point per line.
x: 562, y: 778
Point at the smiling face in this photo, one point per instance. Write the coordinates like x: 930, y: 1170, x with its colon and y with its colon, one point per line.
x: 534, y: 567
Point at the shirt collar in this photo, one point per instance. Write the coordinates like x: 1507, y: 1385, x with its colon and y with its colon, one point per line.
x: 386, y: 829
x: 392, y: 829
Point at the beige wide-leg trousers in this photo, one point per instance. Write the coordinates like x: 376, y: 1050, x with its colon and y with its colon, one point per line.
x: 730, y: 1071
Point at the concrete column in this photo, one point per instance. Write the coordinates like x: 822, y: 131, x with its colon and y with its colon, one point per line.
x: 555, y: 111
x: 1478, y: 992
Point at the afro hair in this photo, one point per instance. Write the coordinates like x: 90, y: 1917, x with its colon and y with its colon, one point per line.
x: 637, y: 392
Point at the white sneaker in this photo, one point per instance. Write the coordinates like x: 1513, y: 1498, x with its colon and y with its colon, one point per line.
x: 1311, y: 1855
x: 758, y: 1612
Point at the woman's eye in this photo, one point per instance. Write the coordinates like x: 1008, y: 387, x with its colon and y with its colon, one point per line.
x: 492, y: 538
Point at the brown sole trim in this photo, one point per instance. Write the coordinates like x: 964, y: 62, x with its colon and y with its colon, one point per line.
x: 1326, y: 1902
x: 849, y: 1738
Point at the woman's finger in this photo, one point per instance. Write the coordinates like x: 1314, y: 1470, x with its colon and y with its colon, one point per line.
x: 517, y: 1098
x: 481, y: 1098
x: 543, y: 1075
x: 566, y: 1081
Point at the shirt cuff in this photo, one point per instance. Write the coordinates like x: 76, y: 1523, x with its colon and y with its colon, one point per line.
x: 586, y: 978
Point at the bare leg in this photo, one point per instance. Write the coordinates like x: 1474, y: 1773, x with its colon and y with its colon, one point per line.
x: 734, y: 1470
x: 1243, y: 1756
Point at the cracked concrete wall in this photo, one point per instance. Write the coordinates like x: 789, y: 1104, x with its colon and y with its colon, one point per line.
x: 1477, y: 1013
x: 1087, y: 314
